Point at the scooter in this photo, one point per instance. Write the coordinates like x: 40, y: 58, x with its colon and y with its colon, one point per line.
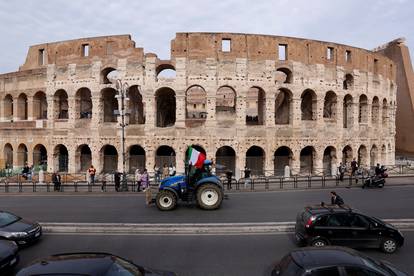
x: 375, y: 181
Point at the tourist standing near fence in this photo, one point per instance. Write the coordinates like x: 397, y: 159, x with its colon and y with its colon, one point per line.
x: 138, y: 179
x: 91, y: 173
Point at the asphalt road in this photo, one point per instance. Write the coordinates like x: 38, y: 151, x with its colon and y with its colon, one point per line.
x: 388, y: 203
x: 197, y: 255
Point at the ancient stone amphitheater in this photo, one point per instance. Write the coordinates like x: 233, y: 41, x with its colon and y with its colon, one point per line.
x: 255, y: 101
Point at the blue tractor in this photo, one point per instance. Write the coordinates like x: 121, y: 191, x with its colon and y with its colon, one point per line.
x: 200, y: 186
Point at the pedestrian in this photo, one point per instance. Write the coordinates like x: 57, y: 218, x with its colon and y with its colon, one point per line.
x: 56, y: 179
x: 247, y: 180
x: 117, y: 180
x: 171, y: 170
x: 145, y: 180
x: 138, y: 179
x: 341, y: 170
x: 30, y: 173
x: 359, y: 174
x: 157, y: 173
x: 354, y: 167
x: 91, y: 173
x: 164, y: 171
x: 336, y: 199
x: 25, y: 171
x: 229, y: 175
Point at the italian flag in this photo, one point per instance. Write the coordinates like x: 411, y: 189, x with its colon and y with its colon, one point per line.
x: 195, y: 158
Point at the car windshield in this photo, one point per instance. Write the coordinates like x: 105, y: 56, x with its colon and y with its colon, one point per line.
x: 7, y: 218
x: 375, y: 265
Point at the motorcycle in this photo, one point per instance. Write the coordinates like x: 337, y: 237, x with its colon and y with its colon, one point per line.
x: 376, y: 181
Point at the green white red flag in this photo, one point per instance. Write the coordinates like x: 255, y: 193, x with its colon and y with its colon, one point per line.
x: 195, y: 158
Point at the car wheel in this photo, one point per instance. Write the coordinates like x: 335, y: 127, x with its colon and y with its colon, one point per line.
x: 209, y: 196
x: 166, y: 200
x: 319, y: 243
x: 389, y: 245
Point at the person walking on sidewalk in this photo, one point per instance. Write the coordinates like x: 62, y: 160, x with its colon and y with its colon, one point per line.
x: 138, y: 179
x: 117, y: 180
x: 341, y: 170
x: 91, y: 173
x: 229, y: 175
x: 247, y: 179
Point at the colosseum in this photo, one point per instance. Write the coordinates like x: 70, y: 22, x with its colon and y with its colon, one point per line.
x: 255, y: 101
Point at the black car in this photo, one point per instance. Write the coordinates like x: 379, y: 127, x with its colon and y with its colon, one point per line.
x: 88, y: 264
x: 332, y: 261
x: 15, y: 228
x: 8, y: 255
x: 323, y: 225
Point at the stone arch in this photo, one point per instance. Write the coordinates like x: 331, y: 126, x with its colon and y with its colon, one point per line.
x: 8, y: 155
x: 329, y: 161
x: 165, y: 155
x: 347, y: 155
x: 165, y: 70
x: 136, y: 158
x: 282, y: 157
x: 8, y: 107
x: 374, y: 155
x: 308, y: 105
x: 22, y: 155
x: 384, y: 155
x: 375, y: 110
x: 348, y: 114
x: 225, y: 159
x: 195, y: 107
x: 284, y: 75
x: 104, y: 75
x: 363, y: 109
x: 225, y: 105
x: 348, y: 82
x: 22, y: 107
x: 283, y: 107
x: 255, y: 158
x: 40, y: 156
x: 61, y: 104
x: 330, y: 105
x: 61, y: 158
x: 110, y: 105
x: 40, y: 106
x: 136, y: 106
x: 307, y: 160
x: 109, y: 159
x: 166, y: 105
x: 362, y: 156
x: 255, y: 106
x: 83, y: 103
x: 83, y: 156
x: 385, y: 115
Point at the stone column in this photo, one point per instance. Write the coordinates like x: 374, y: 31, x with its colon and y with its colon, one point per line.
x: 295, y: 169
x: 318, y: 162
x: 50, y: 111
x: 340, y: 113
x: 211, y: 111
x: 240, y: 163
x: 355, y: 114
x: 149, y: 109
x: 71, y: 111
x: 180, y: 109
x: 30, y: 109
x: 296, y: 112
x: 269, y: 163
x: 30, y: 155
x: 241, y: 110
x: 96, y: 159
x: 270, y: 109
x: 72, y: 160
x: 15, y: 110
x: 97, y: 111
x: 2, y: 119
x: 180, y: 156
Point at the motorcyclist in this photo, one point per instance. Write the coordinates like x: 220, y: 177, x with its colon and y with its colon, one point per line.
x: 378, y: 170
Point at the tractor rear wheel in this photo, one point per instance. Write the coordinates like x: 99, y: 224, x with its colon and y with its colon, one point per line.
x: 209, y: 196
x: 166, y: 200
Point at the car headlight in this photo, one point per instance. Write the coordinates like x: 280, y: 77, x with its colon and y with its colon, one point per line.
x: 17, y: 234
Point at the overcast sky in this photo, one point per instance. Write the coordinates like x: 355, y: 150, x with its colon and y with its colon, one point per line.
x: 153, y: 24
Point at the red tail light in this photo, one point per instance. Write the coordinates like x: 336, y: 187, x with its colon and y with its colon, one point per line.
x: 310, y: 221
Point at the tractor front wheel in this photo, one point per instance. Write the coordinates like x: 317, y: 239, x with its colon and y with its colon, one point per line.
x: 209, y: 196
x: 166, y: 200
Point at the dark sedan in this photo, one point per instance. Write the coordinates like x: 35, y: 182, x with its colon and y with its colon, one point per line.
x: 21, y: 231
x: 8, y: 255
x: 88, y: 264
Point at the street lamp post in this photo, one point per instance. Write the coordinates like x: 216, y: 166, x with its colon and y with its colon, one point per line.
x: 123, y: 95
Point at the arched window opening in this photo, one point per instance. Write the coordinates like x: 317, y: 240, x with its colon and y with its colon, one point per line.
x: 165, y: 99
x: 374, y: 155
x: 110, y: 105
x: 22, y: 107
x: 255, y: 157
x: 284, y: 75
x: 196, y: 100
x: 83, y: 103
x: 329, y: 106
x: 109, y: 155
x: 375, y: 110
x: 282, y: 158
x: 61, y: 105
x: 308, y: 105
x: 256, y: 106
x: 329, y: 161
x: 283, y: 109
x: 8, y: 107
x: 165, y: 156
x: 362, y: 156
x: 8, y: 156
x: 22, y: 155
x: 61, y: 158
x: 40, y: 157
x: 225, y: 106
x: 166, y: 71
x: 107, y: 76
x: 225, y: 160
x: 40, y: 106
x: 347, y: 155
x: 363, y: 109
x: 348, y: 82
x: 385, y: 115
x: 136, y: 159
x: 347, y: 111
x: 136, y: 106
x: 307, y: 160
x: 83, y: 158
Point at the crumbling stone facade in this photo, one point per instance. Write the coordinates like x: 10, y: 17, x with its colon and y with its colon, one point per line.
x: 245, y: 100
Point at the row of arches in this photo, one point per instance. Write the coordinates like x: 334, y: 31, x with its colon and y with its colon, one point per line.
x: 310, y: 161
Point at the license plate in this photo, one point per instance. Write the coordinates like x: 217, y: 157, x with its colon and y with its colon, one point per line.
x: 37, y: 234
x: 12, y: 262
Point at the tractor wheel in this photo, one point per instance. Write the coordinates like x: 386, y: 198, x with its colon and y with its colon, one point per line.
x: 166, y: 200
x: 209, y: 196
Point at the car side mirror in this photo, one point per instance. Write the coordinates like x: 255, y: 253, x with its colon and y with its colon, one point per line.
x: 373, y: 225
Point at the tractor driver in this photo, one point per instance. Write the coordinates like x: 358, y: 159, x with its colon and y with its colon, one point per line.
x: 197, y: 174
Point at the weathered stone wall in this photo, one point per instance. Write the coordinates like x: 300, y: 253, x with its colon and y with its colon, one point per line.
x: 198, y: 59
